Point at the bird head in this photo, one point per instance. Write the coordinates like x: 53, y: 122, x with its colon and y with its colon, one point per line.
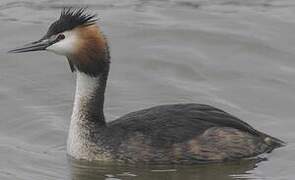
x: 77, y: 36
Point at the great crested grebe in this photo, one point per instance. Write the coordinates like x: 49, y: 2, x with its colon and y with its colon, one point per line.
x: 176, y: 133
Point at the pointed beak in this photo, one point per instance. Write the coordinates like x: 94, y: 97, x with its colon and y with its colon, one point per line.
x: 39, y: 45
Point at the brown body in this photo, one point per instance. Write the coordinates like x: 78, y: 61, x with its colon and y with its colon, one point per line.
x: 215, y: 145
x: 181, y: 134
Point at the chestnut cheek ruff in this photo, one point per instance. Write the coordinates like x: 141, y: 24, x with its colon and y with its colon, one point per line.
x: 91, y: 55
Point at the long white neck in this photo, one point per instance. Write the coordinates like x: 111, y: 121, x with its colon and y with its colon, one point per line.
x: 87, y: 117
x: 89, y: 98
x: 85, y: 92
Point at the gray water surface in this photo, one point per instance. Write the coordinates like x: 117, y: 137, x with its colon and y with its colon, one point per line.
x: 238, y: 55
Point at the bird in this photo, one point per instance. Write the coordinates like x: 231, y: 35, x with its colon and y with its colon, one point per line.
x: 186, y: 133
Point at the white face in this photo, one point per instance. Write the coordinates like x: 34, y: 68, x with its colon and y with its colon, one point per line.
x: 65, y: 46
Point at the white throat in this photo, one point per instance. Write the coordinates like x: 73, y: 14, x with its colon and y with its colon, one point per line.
x: 85, y: 91
x: 85, y: 87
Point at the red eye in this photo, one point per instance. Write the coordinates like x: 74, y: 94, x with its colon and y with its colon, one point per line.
x: 60, y: 37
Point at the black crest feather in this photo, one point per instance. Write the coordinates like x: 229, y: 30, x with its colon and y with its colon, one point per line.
x: 71, y: 18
